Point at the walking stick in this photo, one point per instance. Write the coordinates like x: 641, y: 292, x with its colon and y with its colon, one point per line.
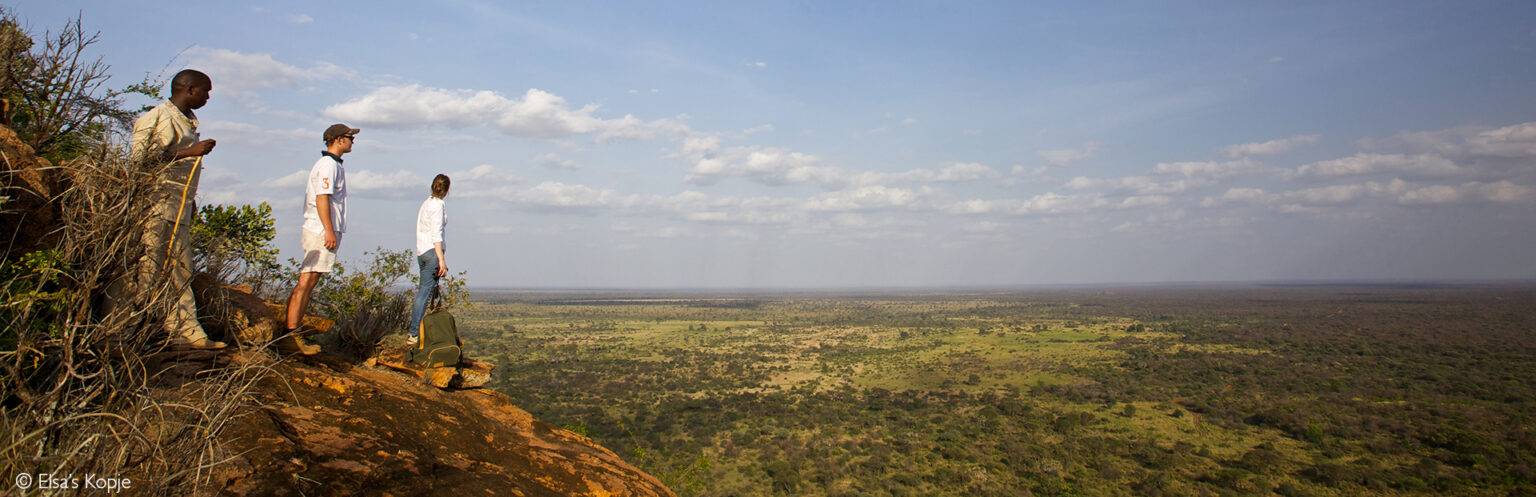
x: 181, y: 208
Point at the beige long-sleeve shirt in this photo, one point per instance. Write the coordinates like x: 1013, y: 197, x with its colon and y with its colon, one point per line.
x: 162, y: 131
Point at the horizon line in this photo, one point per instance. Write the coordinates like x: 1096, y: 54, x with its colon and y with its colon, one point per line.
x: 1416, y: 282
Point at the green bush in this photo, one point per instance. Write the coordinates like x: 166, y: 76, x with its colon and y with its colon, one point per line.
x: 369, y: 303
x: 234, y: 245
x: 35, y: 293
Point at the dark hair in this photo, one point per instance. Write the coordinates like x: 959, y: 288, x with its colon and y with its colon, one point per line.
x: 440, y: 186
x: 186, y: 79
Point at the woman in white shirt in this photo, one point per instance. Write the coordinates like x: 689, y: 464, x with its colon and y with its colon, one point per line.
x: 431, y: 225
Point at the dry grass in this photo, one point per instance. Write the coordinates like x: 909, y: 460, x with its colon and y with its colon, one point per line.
x: 85, y: 386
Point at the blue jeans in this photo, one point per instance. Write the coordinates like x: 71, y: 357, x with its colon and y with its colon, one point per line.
x: 424, y: 288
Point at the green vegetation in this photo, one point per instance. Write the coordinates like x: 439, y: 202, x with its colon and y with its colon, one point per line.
x: 234, y: 243
x: 1295, y: 391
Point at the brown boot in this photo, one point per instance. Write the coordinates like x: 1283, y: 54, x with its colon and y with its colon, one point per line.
x: 293, y: 343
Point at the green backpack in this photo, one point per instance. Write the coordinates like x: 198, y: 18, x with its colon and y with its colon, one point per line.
x: 438, y: 344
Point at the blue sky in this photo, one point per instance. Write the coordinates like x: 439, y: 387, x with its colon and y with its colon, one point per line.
x: 854, y: 144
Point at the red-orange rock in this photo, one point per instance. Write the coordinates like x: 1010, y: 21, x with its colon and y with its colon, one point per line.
x: 378, y: 435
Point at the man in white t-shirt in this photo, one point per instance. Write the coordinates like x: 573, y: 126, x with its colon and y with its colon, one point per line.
x: 325, y: 219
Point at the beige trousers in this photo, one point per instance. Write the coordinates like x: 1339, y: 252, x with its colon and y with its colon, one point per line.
x: 168, y: 249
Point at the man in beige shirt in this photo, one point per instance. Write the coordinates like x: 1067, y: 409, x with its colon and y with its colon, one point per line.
x: 165, y: 139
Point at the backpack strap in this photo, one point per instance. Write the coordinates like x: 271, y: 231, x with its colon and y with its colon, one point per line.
x: 436, y: 303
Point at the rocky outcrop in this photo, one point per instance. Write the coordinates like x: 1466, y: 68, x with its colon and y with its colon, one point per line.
x: 232, y: 314
x: 28, y: 185
x: 468, y: 374
x: 330, y: 429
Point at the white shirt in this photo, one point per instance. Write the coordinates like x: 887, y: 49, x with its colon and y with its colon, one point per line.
x: 431, y: 226
x: 326, y: 178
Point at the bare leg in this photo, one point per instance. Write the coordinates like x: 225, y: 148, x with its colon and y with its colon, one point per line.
x: 298, y: 301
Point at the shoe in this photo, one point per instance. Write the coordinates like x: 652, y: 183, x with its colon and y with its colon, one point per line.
x: 410, y: 341
x: 293, y: 343
x: 201, y: 343
x: 196, y: 339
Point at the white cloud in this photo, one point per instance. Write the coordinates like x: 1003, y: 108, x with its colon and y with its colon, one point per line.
x: 538, y: 114
x: 779, y: 167
x: 1332, y: 194
x: 398, y: 184
x: 1042, y: 204
x: 241, y: 74
x: 485, y: 181
x: 1502, y: 192
x: 1138, y: 185
x: 253, y: 135
x: 766, y: 165
x: 851, y: 220
x: 488, y: 175
x: 1420, y: 165
x: 663, y: 232
x: 1053, y: 203
x: 760, y: 64
x: 1309, y: 200
x: 1021, y: 175
x: 301, y: 19
x: 1069, y: 156
x: 766, y: 128
x: 1517, y: 141
x: 1145, y: 201
x: 865, y: 198
x: 908, y: 121
x: 1271, y: 147
x: 561, y: 195
x: 294, y: 179
x: 982, y: 227
x: 880, y: 130
x: 1236, y: 195
x: 1207, y: 169
x: 953, y: 173
x: 1437, y: 194
x: 553, y: 161
x: 965, y: 171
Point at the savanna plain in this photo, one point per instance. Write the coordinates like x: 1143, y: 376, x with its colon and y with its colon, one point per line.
x: 1295, y: 390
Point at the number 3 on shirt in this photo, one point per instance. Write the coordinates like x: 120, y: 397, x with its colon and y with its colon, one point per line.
x: 325, y: 183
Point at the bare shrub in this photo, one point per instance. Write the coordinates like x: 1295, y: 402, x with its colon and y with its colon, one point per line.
x: 80, y: 384
x: 59, y: 103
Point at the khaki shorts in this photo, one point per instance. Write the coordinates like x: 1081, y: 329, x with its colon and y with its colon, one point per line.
x: 317, y: 258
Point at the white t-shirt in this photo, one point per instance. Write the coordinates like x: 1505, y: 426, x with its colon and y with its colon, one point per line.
x: 326, y: 178
x: 431, y: 225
